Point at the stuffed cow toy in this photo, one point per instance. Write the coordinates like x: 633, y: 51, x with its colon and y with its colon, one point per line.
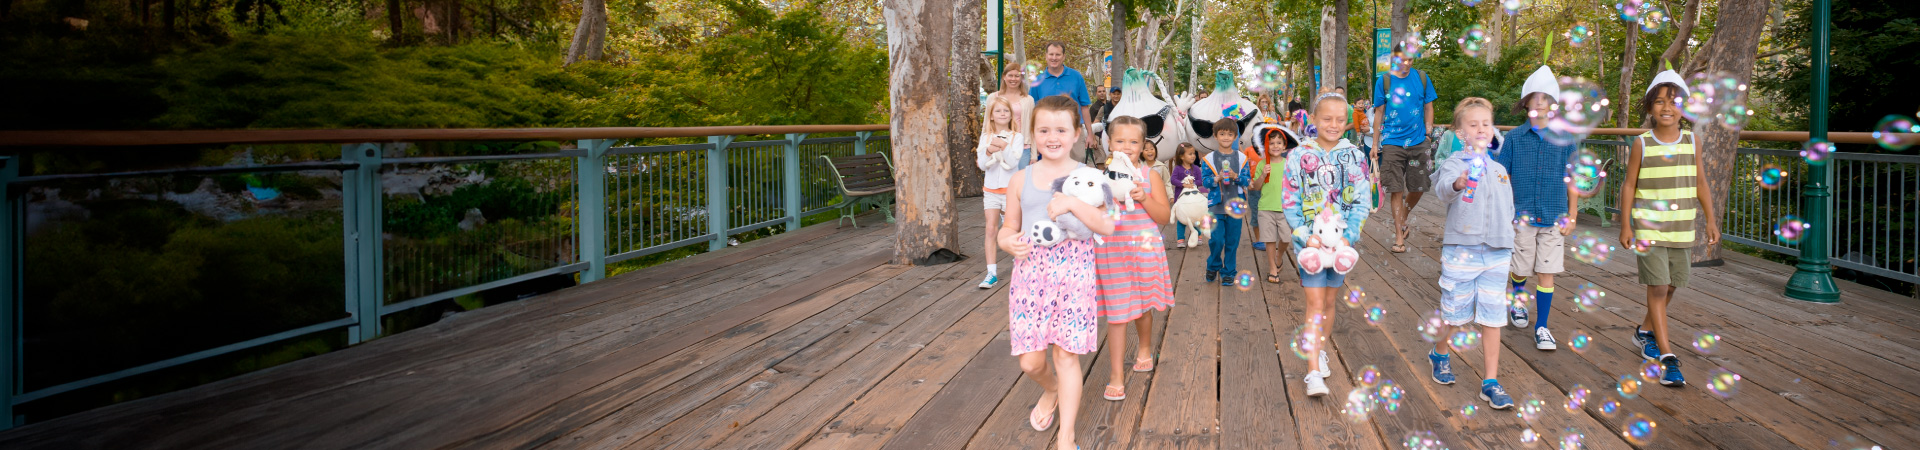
x: 1086, y: 184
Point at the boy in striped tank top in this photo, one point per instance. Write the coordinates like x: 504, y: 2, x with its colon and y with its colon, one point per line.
x: 1662, y: 196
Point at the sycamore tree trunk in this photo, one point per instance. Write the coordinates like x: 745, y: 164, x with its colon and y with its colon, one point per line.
x: 963, y: 110
x: 1399, y: 21
x: 919, y: 51
x: 590, y: 38
x: 1734, y: 46
x: 1335, y: 72
x: 1495, y: 33
x: 1118, y: 19
x: 1627, y: 93
x: 1019, y: 35
x: 1676, y: 53
x: 1193, y: 55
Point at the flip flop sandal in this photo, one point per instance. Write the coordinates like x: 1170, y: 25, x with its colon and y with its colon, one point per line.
x: 1273, y: 277
x: 1115, y: 393
x: 1039, y: 425
x: 1147, y: 362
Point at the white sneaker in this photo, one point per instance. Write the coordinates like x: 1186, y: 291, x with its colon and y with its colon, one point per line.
x: 991, y: 280
x: 1543, y: 339
x: 1326, y: 369
x: 1316, y: 384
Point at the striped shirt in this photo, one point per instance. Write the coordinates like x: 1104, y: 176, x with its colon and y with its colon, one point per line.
x: 1665, y: 199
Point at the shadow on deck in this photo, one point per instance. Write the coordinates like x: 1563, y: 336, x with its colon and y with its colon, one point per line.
x: 811, y: 340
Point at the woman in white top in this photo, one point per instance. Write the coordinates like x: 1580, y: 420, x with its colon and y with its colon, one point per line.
x: 998, y: 154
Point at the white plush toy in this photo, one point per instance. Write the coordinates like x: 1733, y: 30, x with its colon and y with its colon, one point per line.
x: 1328, y: 228
x: 1009, y: 158
x: 1191, y: 209
x: 1086, y: 184
x: 1122, y: 185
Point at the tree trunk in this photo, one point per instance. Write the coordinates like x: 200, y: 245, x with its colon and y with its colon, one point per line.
x: 1193, y: 57
x: 1336, y: 72
x: 1119, y: 66
x: 1626, y: 91
x: 168, y: 12
x: 919, y: 48
x: 590, y: 38
x: 396, y: 20
x: 1495, y: 34
x: 1399, y: 21
x: 1734, y: 46
x: 963, y: 110
x: 1676, y: 53
x: 1019, y: 36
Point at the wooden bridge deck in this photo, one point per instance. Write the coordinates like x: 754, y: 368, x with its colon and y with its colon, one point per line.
x: 810, y: 340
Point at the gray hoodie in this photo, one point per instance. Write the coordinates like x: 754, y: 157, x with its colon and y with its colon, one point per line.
x: 1488, y: 219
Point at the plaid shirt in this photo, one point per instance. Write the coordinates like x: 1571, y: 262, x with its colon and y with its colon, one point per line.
x: 1539, y: 170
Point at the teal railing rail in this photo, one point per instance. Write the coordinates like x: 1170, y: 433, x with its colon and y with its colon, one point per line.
x: 521, y: 216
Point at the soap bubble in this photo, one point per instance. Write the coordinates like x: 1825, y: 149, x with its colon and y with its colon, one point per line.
x: 1579, y: 34
x: 1423, y: 440
x: 1586, y: 173
x: 1573, y: 439
x: 1529, y: 438
x: 1237, y: 207
x: 1032, y: 69
x: 1206, y: 222
x: 1579, y: 108
x: 1887, y: 133
x: 1356, y: 296
x: 1530, y: 408
x: 1577, y: 398
x: 1519, y: 299
x: 1650, y: 372
x: 1389, y: 396
x: 1791, y: 229
x: 1284, y: 45
x: 1580, y: 341
x: 1471, y: 2
x: 1717, y: 97
x: 1467, y: 412
x: 1413, y: 46
x: 1629, y: 10
x: 1433, y: 329
x: 1474, y: 40
x: 1465, y: 339
x: 1629, y: 386
x: 1770, y: 176
x: 1609, y: 407
x: 1653, y: 18
x: 1273, y: 78
x: 1359, y: 404
x: 1149, y: 240
x: 1639, y: 430
x: 1305, y: 344
x: 1817, y: 151
x: 1367, y: 376
x: 1590, y: 248
x: 1587, y: 297
x: 1723, y: 383
x: 1244, y: 280
x: 1852, y: 443
x: 1375, y: 313
x: 1706, y: 341
x: 1512, y: 6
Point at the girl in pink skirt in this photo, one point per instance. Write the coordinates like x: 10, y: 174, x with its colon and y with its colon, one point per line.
x: 1132, y: 264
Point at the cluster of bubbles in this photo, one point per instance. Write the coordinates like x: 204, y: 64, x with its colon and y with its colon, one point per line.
x: 1032, y: 69
x: 1590, y: 248
x: 1423, y: 440
x: 1359, y: 404
x: 1816, y: 151
x: 1770, y: 176
x: 1889, y: 132
x: 1389, y: 396
x: 1791, y: 229
x: 1474, y: 40
x: 1530, y: 408
x: 1639, y: 430
x: 1272, y: 78
x: 1464, y: 340
x: 1719, y: 98
x: 1237, y: 207
x: 1629, y: 386
x: 1433, y: 329
x: 1580, y: 342
x: 1586, y: 173
x: 1573, y: 439
x: 1722, y: 382
x: 1577, y: 398
x: 1574, y: 113
x: 1587, y: 297
x: 1706, y: 341
x: 1579, y: 34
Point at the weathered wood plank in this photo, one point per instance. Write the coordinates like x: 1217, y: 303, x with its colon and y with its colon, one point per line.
x: 954, y: 414
x: 1253, y: 388
x: 1182, y: 407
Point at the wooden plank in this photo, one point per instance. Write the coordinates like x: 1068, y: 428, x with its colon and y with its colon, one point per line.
x: 1106, y: 424
x: 1182, y: 408
x: 1253, y: 388
x: 958, y: 410
x: 1319, y: 422
x: 1742, y: 435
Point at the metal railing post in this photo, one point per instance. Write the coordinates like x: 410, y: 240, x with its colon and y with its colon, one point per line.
x: 860, y: 145
x: 1812, y: 278
x: 791, y: 179
x: 360, y: 195
x: 12, y: 235
x: 590, y: 181
x: 717, y: 190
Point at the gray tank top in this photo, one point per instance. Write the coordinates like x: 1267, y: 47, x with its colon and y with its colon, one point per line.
x: 1034, y: 199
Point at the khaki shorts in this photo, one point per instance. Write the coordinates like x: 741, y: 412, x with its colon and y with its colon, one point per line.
x: 1405, y: 169
x: 994, y: 202
x: 1665, y: 266
x: 1538, y: 250
x: 1273, y: 226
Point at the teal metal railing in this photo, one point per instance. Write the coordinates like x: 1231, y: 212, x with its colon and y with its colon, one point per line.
x: 491, y: 220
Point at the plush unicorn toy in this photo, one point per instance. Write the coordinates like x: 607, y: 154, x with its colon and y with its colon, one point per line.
x: 1086, y: 184
x: 1328, y: 228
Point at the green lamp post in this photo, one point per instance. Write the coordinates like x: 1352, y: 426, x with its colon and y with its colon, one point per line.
x: 1813, y: 276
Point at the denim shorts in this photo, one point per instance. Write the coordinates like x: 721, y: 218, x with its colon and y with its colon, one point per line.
x: 1326, y: 278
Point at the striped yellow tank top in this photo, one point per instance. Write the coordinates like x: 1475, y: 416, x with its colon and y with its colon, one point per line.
x: 1665, y: 200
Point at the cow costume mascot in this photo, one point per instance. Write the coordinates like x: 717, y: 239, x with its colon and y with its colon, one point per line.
x: 1164, y: 130
x: 1224, y: 102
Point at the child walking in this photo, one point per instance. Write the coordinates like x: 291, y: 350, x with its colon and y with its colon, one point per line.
x: 1186, y: 175
x: 1544, y: 202
x: 1325, y: 174
x: 1225, y: 175
x: 1662, y: 170
x: 1269, y: 177
x: 997, y: 155
x: 1131, y: 266
x: 1477, y: 249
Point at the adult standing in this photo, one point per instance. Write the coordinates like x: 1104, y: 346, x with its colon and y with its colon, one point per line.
x: 1403, y: 104
x: 1059, y: 79
x: 1013, y: 87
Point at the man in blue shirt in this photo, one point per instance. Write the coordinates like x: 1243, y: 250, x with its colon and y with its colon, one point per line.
x: 1543, y: 201
x: 1059, y: 79
x: 1403, y: 104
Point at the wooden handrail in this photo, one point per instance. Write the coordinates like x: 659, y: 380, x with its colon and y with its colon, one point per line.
x: 1750, y: 135
x: 88, y: 138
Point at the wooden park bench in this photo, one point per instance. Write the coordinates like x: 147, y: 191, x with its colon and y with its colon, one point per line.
x: 864, y: 180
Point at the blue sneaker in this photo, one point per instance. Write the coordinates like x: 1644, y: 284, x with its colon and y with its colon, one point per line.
x: 1442, y: 367
x: 1226, y: 281
x: 991, y: 280
x: 1671, y: 376
x: 1495, y: 395
x: 1648, y: 349
x: 1261, y: 246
